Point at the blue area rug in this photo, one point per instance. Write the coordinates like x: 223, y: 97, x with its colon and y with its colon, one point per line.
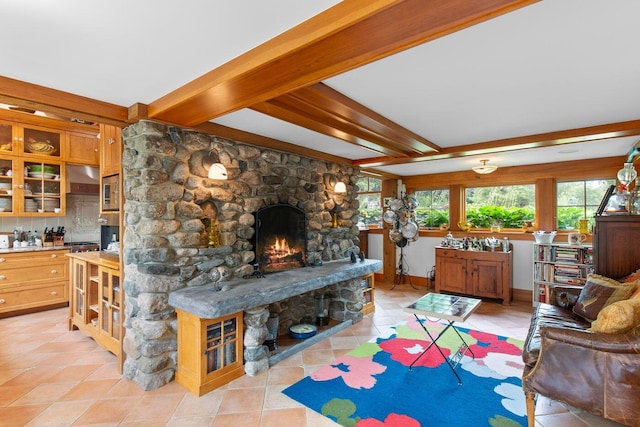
x: 373, y: 386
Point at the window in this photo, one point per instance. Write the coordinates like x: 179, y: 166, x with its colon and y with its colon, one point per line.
x: 433, y: 207
x: 370, y: 199
x: 506, y: 206
x: 579, y: 199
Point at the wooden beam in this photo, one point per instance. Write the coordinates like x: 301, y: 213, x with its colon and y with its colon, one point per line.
x: 345, y: 36
x: 40, y: 98
x: 322, y: 109
x: 571, y: 136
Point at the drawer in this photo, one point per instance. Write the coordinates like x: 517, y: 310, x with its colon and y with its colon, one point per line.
x: 18, y: 299
x: 38, y: 272
x: 31, y: 258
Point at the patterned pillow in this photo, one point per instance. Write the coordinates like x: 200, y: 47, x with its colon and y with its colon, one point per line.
x: 599, y: 292
x: 618, y: 317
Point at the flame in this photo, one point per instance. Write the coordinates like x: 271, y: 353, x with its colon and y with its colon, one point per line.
x: 281, y: 248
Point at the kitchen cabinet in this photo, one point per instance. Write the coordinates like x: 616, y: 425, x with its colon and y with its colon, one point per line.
x: 478, y: 273
x: 616, y: 252
x: 110, y: 150
x: 23, y: 287
x: 37, y: 141
x: 210, y: 351
x: 31, y: 187
x: 83, y: 149
x: 96, y: 305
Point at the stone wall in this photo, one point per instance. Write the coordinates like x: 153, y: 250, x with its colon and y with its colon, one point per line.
x: 169, y: 202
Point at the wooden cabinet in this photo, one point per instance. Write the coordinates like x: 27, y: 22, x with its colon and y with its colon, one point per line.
x: 210, y: 351
x: 483, y: 274
x: 110, y: 150
x: 23, y: 287
x: 31, y: 187
x: 83, y: 148
x: 616, y: 245
x: 97, y: 301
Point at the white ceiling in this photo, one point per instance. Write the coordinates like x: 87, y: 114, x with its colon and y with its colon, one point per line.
x: 554, y: 65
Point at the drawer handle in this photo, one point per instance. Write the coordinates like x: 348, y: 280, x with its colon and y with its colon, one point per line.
x: 2, y: 259
x: 54, y: 293
x: 54, y: 256
x: 2, y: 301
x: 2, y: 277
x: 54, y: 271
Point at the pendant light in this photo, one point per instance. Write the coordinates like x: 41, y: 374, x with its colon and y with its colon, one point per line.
x: 484, y: 169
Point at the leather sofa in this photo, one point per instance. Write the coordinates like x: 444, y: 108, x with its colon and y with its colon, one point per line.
x: 565, y: 361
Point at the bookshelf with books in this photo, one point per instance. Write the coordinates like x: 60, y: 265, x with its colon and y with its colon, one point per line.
x: 558, y: 264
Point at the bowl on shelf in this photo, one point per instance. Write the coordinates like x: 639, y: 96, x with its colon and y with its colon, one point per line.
x: 39, y: 147
x: 41, y: 168
x: 544, y: 237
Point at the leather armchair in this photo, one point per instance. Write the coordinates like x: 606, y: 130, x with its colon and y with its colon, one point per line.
x: 597, y: 372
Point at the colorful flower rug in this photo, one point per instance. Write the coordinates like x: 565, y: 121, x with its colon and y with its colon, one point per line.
x: 373, y: 386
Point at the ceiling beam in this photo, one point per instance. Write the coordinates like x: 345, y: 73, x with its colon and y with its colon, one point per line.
x: 65, y: 104
x: 345, y: 36
x: 320, y: 108
x: 549, y: 139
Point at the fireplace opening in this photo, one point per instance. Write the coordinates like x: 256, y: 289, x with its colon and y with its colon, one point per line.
x: 281, y: 238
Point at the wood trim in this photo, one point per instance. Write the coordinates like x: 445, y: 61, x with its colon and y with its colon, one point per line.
x: 64, y: 104
x: 545, y: 204
x: 319, y: 107
x: 549, y: 139
x: 355, y: 32
x: 578, y: 169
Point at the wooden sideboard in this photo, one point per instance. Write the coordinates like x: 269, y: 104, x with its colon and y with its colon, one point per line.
x: 483, y: 274
x: 616, y: 245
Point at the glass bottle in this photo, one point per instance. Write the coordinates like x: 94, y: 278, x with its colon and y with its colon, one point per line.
x: 634, y: 204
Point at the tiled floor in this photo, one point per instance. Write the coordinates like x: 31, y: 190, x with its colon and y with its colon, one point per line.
x: 52, y: 377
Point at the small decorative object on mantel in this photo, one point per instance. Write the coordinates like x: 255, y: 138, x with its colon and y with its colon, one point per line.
x: 527, y: 226
x: 214, y: 238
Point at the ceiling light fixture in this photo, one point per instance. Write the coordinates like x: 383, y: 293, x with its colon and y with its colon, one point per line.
x: 484, y: 169
x: 217, y: 171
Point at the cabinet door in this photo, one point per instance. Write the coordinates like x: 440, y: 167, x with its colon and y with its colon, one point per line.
x: 78, y: 303
x: 110, y: 304
x: 7, y: 135
x: 451, y: 274
x: 43, y: 187
x: 41, y: 142
x: 9, y: 188
x: 110, y: 150
x: 82, y: 148
x: 486, y: 278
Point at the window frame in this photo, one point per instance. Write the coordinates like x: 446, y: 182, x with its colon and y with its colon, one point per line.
x: 369, y: 192
x: 463, y: 208
x: 445, y: 188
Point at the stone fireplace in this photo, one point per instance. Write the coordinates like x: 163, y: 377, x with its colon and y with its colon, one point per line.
x: 170, y: 202
x: 281, y: 238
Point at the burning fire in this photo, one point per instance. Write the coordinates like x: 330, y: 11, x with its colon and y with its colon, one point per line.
x: 281, y: 248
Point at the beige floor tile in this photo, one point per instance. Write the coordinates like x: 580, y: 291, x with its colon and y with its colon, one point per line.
x: 45, y: 392
x: 61, y: 414
x: 16, y: 416
x: 284, y: 374
x: 248, y: 419
x: 242, y: 400
x: 106, y: 411
x: 292, y: 417
x: 157, y: 409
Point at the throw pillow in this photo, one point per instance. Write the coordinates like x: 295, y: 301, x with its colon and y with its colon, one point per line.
x: 633, y: 277
x: 598, y: 292
x: 618, y: 317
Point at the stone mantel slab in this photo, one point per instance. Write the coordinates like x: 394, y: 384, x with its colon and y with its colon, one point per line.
x: 243, y: 294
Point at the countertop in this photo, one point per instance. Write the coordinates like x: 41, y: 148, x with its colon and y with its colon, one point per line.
x: 96, y: 258
x: 33, y: 249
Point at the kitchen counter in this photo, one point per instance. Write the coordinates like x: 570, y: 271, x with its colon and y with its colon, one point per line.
x: 96, y: 258
x: 33, y: 249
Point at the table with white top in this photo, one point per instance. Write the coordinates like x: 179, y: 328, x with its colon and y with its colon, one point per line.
x: 451, y: 308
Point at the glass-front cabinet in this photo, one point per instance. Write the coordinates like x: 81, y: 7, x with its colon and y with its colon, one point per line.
x: 111, y: 301
x: 40, y: 141
x: 31, y: 187
x: 6, y: 138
